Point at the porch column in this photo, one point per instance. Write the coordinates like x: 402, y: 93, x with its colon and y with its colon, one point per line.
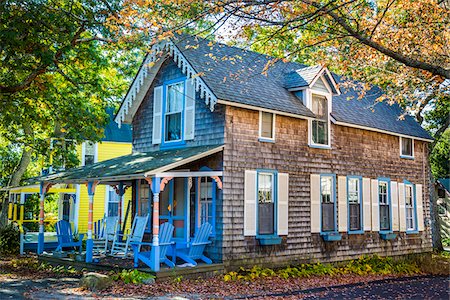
x: 91, y: 185
x: 43, y: 189
x: 154, y: 256
x: 120, y: 192
x: 22, y: 213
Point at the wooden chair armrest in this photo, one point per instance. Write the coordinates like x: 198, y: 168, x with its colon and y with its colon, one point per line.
x: 141, y: 243
x: 167, y: 244
x: 198, y: 244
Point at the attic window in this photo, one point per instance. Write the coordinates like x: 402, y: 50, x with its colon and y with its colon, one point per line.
x: 320, y: 126
x: 266, y: 126
x: 406, y: 147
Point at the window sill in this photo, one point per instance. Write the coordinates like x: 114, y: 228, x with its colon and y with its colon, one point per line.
x: 412, y: 231
x: 325, y: 147
x: 266, y: 140
x: 269, y: 240
x: 331, y: 237
x: 356, y: 232
x: 388, y: 236
x: 407, y: 157
x: 172, y: 145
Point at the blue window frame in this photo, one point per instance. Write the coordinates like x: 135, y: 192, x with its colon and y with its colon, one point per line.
x: 355, y: 204
x: 267, y: 202
x: 385, y: 206
x: 328, y: 212
x: 410, y: 207
x: 173, y: 113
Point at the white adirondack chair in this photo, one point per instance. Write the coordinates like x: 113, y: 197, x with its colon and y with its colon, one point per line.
x: 122, y: 242
x: 106, y: 233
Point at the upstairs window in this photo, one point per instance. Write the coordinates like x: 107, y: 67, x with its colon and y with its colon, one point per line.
x: 174, y: 111
x: 266, y: 204
x: 327, y: 199
x: 319, y: 126
x: 266, y: 126
x: 385, y: 220
x: 354, y: 203
x: 406, y: 147
x: 409, y: 202
x: 89, y: 153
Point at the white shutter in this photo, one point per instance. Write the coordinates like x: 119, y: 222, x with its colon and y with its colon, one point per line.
x: 315, y: 203
x: 366, y: 205
x: 394, y: 203
x: 283, y: 204
x: 375, y: 206
x: 342, y: 204
x: 189, y: 116
x: 401, y: 206
x: 250, y: 203
x: 157, y: 114
x: 419, y: 207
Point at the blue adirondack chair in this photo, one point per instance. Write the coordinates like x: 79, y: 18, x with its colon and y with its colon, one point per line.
x: 165, y: 242
x: 197, y: 246
x: 65, y: 236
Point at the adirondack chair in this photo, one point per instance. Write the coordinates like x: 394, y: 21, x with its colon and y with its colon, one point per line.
x: 197, y: 246
x: 122, y: 242
x: 65, y: 236
x: 105, y: 233
x: 165, y: 242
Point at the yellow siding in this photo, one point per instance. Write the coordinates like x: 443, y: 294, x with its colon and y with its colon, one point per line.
x: 106, y: 150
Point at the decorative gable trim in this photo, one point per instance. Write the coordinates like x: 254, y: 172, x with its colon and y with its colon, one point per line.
x: 146, y: 74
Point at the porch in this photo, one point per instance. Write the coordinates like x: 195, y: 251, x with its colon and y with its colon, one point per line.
x: 179, y: 187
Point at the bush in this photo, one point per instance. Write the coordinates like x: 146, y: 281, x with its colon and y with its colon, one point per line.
x: 446, y: 242
x: 133, y: 276
x: 9, y: 240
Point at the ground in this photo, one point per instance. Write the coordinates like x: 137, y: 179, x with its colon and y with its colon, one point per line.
x: 21, y: 279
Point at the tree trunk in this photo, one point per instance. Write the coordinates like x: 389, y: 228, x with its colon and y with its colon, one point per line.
x: 435, y: 220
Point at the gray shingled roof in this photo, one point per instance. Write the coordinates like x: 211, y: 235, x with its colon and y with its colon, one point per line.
x: 237, y: 75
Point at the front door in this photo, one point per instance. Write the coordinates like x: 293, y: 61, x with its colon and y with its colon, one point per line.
x: 174, y: 209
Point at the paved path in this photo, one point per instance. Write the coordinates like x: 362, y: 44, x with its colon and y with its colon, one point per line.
x: 24, y: 289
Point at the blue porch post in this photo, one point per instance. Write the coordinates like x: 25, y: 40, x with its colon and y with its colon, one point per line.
x: 43, y: 189
x: 90, y: 243
x: 120, y: 192
x: 154, y: 256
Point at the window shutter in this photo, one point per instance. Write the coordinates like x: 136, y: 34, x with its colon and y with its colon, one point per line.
x: 401, y: 206
x: 375, y: 206
x: 250, y: 203
x: 283, y: 204
x: 367, y: 217
x: 342, y: 204
x: 157, y: 114
x: 419, y: 207
x: 189, y: 116
x: 315, y: 203
x: 394, y: 203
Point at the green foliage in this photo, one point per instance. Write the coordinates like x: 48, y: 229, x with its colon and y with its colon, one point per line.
x: 440, y: 156
x: 132, y: 276
x: 9, y: 240
x: 362, y: 266
x: 446, y: 242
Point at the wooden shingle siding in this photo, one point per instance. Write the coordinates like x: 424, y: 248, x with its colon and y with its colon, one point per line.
x: 354, y: 152
x: 209, y: 129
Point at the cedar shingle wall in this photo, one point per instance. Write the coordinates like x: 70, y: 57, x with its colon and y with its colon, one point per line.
x: 355, y: 152
x: 208, y: 126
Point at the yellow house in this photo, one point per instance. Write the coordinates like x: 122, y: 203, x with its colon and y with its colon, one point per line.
x: 74, y: 207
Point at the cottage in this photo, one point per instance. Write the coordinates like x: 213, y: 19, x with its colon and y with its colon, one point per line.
x: 287, y: 166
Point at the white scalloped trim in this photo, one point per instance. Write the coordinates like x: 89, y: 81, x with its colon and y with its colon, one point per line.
x: 183, y: 64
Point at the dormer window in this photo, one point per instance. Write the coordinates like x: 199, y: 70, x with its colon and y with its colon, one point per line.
x: 319, y: 128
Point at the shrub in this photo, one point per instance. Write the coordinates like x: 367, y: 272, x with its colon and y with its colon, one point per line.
x: 446, y: 242
x: 9, y: 240
x: 132, y: 276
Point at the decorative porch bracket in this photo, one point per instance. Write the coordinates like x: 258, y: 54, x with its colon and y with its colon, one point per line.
x: 91, y: 185
x: 155, y: 184
x: 43, y: 189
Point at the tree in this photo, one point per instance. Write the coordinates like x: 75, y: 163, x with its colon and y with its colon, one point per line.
x: 59, y: 70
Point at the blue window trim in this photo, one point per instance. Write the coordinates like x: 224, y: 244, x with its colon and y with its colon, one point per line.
x: 273, y: 236
x: 388, y: 191
x: 361, y: 219
x: 335, y: 230
x: 172, y: 144
x: 415, y: 230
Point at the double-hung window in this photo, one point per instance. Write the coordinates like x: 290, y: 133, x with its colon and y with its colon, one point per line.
x: 409, y: 203
x: 319, y: 126
x: 173, y: 114
x: 113, y: 203
x: 89, y: 153
x: 266, y: 126
x: 327, y: 200
x: 207, y: 200
x: 354, y: 203
x: 383, y: 197
x: 266, y: 203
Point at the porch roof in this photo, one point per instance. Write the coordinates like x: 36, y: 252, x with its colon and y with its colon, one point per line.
x: 133, y: 166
